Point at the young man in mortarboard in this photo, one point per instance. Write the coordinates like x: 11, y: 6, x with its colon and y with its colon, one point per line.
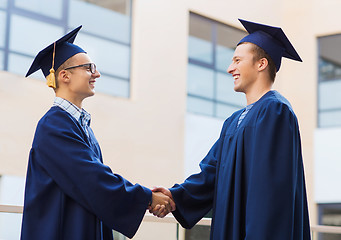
x: 253, y: 177
x: 70, y: 194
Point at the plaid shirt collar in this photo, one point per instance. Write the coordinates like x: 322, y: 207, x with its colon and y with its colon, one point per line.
x: 82, y: 116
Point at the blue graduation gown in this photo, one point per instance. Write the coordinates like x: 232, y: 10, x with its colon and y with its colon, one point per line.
x: 252, y: 177
x: 70, y: 193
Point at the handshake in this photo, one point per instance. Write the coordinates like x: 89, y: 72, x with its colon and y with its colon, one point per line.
x: 162, y: 202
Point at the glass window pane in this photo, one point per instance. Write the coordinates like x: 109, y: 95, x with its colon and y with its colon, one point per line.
x: 225, y: 92
x: 330, y: 119
x: 199, y: 49
x: 198, y: 233
x: 200, y: 39
x: 121, y: 6
x: 50, y: 8
x: 110, y: 58
x: 224, y: 57
x: 227, y: 39
x: 329, y: 95
x: 113, y: 25
x: 2, y: 60
x: 3, y: 3
x: 330, y: 215
x: 19, y: 64
x: 196, y: 105
x: 225, y: 111
x: 112, y: 86
x: 200, y: 81
x: 228, y: 36
x: 330, y: 57
x: 31, y: 31
x: 2, y: 28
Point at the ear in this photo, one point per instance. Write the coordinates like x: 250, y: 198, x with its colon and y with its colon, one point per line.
x: 262, y: 64
x: 63, y: 77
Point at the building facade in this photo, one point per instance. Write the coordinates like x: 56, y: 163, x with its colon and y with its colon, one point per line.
x: 164, y: 91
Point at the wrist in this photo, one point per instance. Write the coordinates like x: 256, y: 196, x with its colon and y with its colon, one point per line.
x: 150, y: 201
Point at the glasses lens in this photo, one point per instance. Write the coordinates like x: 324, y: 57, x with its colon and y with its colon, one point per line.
x: 92, y: 68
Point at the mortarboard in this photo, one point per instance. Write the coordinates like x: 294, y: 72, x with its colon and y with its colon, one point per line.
x: 54, y: 55
x: 272, y: 40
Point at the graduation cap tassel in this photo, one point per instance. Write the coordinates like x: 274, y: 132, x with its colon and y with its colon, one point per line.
x: 51, y: 78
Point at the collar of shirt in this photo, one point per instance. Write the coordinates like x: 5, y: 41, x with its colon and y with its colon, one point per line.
x: 82, y: 116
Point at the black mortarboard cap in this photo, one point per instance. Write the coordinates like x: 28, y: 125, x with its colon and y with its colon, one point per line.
x: 272, y: 40
x: 55, y: 54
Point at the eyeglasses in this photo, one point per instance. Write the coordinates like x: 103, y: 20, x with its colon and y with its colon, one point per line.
x: 90, y: 66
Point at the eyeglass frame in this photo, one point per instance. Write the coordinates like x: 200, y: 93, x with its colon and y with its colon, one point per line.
x: 90, y: 66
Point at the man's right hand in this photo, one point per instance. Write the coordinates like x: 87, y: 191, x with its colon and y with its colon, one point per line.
x: 162, y: 202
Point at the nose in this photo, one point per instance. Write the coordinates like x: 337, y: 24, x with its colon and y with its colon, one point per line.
x: 230, y: 69
x: 96, y: 74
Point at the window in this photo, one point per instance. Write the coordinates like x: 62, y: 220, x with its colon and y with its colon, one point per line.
x: 330, y: 215
x: 210, y: 49
x: 107, y: 39
x: 329, y: 82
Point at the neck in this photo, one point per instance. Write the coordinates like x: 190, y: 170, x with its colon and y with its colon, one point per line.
x: 75, y: 101
x: 255, y: 96
x: 257, y: 91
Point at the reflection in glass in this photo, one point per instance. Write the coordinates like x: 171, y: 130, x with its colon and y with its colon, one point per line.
x: 329, y: 70
x: 34, y: 33
x: 198, y: 233
x: 224, y: 57
x: 200, y: 39
x: 329, y: 57
x: 225, y: 111
x: 329, y: 95
x: 19, y: 64
x: 112, y: 86
x: 225, y: 92
x: 200, y: 81
x: 49, y: 8
x: 2, y: 28
x: 207, y: 77
x: 330, y: 215
x: 197, y: 105
x: 112, y: 23
x: 120, y: 6
x: 111, y: 58
x: 329, y: 104
x: 2, y: 60
x: 3, y: 3
x: 199, y: 49
x: 227, y: 40
x: 330, y: 118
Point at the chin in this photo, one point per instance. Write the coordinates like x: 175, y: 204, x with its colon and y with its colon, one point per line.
x: 237, y: 89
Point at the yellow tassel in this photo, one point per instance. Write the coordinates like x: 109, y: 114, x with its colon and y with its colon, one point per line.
x: 51, y: 79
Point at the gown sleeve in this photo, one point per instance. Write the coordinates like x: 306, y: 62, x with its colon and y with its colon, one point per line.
x: 194, y: 197
x: 60, y: 148
x: 276, y: 171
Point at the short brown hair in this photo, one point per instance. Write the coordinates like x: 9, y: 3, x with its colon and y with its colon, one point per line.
x: 259, y: 53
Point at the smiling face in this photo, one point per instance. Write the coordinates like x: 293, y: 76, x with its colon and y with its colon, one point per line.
x: 77, y: 83
x: 243, y: 68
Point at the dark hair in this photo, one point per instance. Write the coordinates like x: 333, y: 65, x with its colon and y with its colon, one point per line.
x: 259, y: 53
